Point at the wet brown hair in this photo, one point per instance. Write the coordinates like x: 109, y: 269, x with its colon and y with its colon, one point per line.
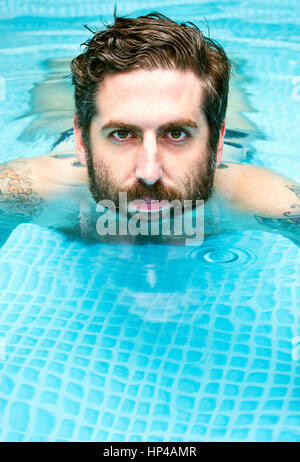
x: 150, y: 42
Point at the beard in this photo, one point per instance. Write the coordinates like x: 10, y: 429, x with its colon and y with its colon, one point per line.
x: 197, y: 185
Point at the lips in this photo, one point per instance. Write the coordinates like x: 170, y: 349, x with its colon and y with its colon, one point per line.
x: 147, y: 204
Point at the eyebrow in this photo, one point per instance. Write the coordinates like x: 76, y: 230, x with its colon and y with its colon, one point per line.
x: 167, y: 126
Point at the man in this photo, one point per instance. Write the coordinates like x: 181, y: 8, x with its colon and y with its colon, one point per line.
x: 151, y: 99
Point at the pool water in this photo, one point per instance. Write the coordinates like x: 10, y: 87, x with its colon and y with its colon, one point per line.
x: 103, y: 342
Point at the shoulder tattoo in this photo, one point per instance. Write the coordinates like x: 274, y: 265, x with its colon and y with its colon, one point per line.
x: 292, y: 220
x: 76, y: 163
x: 222, y: 165
x: 295, y: 189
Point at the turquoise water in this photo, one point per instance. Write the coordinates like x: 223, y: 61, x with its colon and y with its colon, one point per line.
x: 152, y: 343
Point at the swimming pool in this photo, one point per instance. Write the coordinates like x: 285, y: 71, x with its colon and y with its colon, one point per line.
x: 107, y: 342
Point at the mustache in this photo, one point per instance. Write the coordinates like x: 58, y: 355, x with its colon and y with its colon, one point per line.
x: 157, y: 191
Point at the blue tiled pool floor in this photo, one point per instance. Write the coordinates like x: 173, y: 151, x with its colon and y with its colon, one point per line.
x: 121, y: 343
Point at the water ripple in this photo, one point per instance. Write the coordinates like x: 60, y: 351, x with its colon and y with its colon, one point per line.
x: 214, y: 254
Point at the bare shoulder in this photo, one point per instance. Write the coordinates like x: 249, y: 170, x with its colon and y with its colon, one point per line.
x: 257, y: 190
x: 53, y: 172
x: 29, y: 185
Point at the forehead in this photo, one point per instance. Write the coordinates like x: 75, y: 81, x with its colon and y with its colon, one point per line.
x: 150, y: 96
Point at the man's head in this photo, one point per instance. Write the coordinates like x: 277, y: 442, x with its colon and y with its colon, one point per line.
x: 151, y: 98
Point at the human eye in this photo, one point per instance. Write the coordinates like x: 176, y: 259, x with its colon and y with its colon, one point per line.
x: 178, y: 135
x: 119, y: 136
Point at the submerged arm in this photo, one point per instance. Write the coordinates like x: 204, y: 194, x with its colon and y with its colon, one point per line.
x: 272, y: 199
x: 19, y: 198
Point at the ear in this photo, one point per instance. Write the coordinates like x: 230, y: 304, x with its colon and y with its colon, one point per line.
x: 220, y: 144
x: 79, y: 144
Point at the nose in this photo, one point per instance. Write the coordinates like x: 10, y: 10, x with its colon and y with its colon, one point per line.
x: 149, y: 168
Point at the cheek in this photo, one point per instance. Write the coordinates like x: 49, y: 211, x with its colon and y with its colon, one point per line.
x: 117, y: 168
x: 116, y: 164
x: 186, y: 161
x: 179, y: 167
